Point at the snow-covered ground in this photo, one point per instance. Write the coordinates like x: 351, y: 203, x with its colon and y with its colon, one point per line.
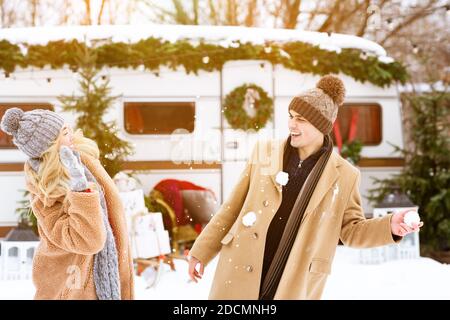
x: 421, y: 278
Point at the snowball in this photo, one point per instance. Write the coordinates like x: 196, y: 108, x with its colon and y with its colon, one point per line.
x: 282, y: 178
x: 249, y: 219
x: 410, y: 218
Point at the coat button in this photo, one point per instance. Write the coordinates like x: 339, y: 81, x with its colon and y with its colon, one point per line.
x: 265, y: 203
x: 255, y: 235
x: 249, y: 268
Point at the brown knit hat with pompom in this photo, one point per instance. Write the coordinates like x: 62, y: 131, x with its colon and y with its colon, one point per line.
x: 320, y: 105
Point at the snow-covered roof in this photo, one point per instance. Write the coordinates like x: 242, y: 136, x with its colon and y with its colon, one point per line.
x: 222, y: 35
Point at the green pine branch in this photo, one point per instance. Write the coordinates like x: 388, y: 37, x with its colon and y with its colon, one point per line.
x: 153, y: 53
x: 24, y: 211
x: 91, y: 106
x: 425, y: 178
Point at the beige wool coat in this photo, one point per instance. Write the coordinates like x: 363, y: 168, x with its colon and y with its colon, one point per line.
x: 70, y: 236
x: 334, y: 212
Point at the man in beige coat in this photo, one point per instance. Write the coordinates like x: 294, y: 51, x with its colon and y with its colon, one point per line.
x: 277, y: 232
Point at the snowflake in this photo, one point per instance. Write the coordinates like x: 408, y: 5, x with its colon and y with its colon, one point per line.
x: 335, y: 192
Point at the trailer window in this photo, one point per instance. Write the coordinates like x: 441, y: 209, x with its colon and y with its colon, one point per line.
x: 6, y: 139
x: 158, y: 117
x: 366, y: 119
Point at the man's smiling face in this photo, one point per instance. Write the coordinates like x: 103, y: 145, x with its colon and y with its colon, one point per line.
x: 302, y: 132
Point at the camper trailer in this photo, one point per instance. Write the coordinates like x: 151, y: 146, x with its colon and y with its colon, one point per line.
x: 175, y: 119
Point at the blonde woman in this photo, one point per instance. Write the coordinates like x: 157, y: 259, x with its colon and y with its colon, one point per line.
x: 84, y: 250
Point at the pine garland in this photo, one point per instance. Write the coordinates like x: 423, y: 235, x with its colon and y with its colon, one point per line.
x: 154, y: 53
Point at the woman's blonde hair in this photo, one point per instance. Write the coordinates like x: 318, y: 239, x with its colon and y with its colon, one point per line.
x: 52, y: 178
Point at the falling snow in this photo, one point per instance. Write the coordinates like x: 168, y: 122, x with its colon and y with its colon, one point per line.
x: 335, y: 192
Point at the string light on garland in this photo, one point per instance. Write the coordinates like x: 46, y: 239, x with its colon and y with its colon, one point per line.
x: 267, y: 50
x: 390, y: 23
x: 285, y: 54
x: 315, y: 62
x: 205, y: 59
x: 234, y: 44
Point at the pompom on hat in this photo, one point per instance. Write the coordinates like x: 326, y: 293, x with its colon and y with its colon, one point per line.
x: 320, y: 105
x: 10, y: 121
x: 33, y: 131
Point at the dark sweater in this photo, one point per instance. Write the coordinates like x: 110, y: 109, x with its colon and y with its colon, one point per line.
x: 297, y: 177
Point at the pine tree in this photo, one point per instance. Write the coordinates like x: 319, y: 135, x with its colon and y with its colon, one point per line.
x: 351, y: 150
x: 91, y: 106
x: 26, y: 215
x: 425, y: 178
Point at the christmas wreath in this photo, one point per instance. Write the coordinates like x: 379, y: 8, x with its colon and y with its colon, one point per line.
x: 248, y: 107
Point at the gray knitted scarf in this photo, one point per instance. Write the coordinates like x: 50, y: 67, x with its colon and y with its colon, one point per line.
x: 106, y: 269
x: 106, y: 265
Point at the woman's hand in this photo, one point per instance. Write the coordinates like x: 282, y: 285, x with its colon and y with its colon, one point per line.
x: 78, y: 181
x: 193, y: 273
